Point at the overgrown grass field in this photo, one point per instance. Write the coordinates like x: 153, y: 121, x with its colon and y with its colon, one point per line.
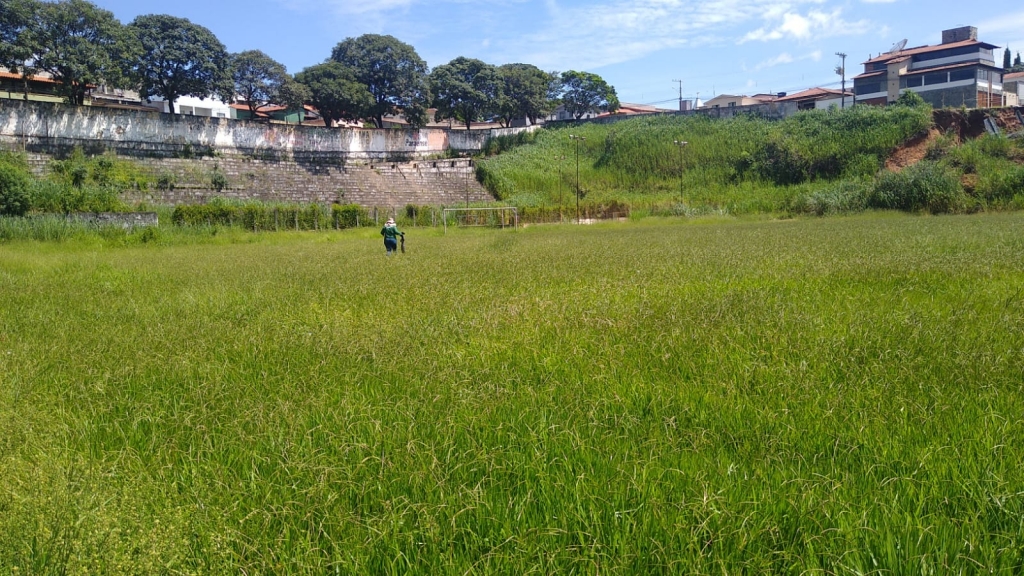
x: 839, y: 396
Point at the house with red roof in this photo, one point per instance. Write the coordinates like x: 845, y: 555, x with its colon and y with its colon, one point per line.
x: 961, y: 71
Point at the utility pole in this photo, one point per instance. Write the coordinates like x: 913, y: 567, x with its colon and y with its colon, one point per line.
x: 680, y: 82
x: 841, y: 70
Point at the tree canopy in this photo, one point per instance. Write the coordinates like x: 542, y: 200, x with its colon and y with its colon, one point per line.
x: 583, y: 93
x: 292, y: 94
x: 257, y: 78
x: 178, y: 58
x: 16, y: 17
x: 391, y: 70
x: 76, y: 43
x: 526, y: 92
x: 465, y: 89
x: 1006, y: 57
x: 335, y: 92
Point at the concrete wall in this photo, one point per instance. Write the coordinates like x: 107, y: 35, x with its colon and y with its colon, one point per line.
x: 53, y: 126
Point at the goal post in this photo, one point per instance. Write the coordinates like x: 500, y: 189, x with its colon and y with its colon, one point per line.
x: 495, y: 217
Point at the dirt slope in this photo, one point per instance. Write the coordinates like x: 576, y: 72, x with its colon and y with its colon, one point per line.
x: 961, y: 124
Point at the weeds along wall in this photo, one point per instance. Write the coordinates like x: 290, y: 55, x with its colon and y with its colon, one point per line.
x: 192, y: 159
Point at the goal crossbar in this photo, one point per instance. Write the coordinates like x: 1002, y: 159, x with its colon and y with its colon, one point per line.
x: 512, y: 209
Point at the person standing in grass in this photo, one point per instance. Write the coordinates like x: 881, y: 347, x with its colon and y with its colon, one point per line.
x: 390, y: 232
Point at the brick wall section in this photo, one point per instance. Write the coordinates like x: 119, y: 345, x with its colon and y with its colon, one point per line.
x: 436, y: 183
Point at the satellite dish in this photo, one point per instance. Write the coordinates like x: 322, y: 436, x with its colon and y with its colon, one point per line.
x: 898, y: 46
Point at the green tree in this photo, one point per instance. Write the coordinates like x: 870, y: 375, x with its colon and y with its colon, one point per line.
x: 77, y: 43
x: 335, y: 92
x: 1006, y: 57
x: 526, y: 92
x: 257, y: 78
x: 293, y: 95
x: 1017, y: 62
x: 178, y: 58
x: 393, y: 73
x: 465, y: 89
x: 583, y: 93
x: 16, y: 17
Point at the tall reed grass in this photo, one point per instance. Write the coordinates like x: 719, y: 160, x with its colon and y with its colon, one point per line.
x: 656, y: 397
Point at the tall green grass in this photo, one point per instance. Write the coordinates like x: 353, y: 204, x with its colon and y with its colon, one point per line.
x: 636, y: 158
x: 811, y: 396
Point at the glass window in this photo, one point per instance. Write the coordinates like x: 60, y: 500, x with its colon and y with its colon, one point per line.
x: 958, y: 75
x: 983, y: 75
x: 732, y: 104
x: 868, y: 88
x: 936, y: 78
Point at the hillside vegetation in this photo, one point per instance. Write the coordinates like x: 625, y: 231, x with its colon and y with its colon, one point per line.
x: 818, y: 161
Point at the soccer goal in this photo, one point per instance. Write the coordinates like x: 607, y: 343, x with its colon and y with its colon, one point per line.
x: 499, y: 217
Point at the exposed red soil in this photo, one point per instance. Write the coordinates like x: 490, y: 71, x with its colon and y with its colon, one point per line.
x: 912, y: 151
x: 962, y: 125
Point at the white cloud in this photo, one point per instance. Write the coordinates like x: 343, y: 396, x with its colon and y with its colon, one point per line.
x: 787, y: 58
x: 815, y: 25
x: 591, y: 34
x: 1012, y: 23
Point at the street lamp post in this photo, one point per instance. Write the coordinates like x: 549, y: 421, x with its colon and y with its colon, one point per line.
x: 681, y: 144
x: 577, y: 140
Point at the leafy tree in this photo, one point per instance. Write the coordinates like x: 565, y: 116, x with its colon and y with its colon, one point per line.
x: 1006, y: 57
x: 257, y: 77
x: 465, y: 89
x: 583, y: 92
x: 1017, y: 62
x: 526, y: 92
x: 16, y: 17
x: 178, y: 58
x: 76, y: 43
x: 292, y: 94
x: 393, y: 73
x: 335, y: 92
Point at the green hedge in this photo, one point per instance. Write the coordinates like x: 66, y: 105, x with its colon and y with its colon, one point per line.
x: 254, y: 216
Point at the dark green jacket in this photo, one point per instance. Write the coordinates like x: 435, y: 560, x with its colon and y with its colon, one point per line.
x: 391, y: 232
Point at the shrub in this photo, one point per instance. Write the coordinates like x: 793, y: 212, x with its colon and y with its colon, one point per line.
x: 1002, y: 186
x: 105, y: 171
x: 837, y: 198
x: 218, y: 179
x: 778, y: 163
x: 348, y: 215
x: 166, y: 181
x: 14, y: 187
x: 924, y: 186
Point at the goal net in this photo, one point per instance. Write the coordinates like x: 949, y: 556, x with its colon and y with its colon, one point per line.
x: 498, y: 217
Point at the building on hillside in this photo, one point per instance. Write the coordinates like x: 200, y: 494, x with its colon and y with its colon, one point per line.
x: 730, y: 101
x: 270, y: 113
x: 191, y: 106
x: 817, y: 98
x: 36, y: 88
x: 560, y: 114
x: 961, y: 71
x: 1013, y: 88
x: 119, y: 99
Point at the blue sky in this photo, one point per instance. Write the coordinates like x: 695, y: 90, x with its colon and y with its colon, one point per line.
x: 639, y: 46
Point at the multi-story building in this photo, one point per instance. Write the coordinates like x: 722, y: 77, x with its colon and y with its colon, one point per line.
x: 959, y: 72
